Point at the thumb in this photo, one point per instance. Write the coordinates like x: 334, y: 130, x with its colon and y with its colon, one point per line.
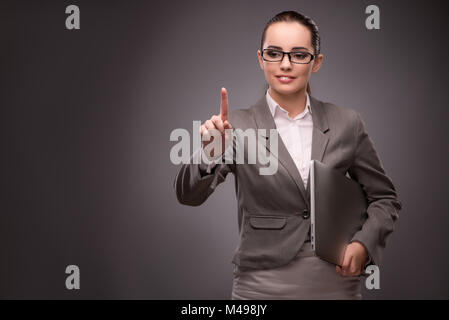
x: 227, y: 125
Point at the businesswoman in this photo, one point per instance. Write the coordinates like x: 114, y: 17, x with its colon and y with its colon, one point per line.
x: 274, y: 259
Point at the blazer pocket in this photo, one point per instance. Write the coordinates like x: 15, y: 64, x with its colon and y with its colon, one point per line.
x: 267, y: 241
x: 264, y: 222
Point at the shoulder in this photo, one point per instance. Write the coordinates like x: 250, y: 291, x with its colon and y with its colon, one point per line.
x: 240, y: 113
x: 338, y: 115
x: 241, y: 118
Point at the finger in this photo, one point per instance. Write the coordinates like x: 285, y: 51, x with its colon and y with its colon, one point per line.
x: 354, y: 268
x: 346, y: 266
x: 338, y: 269
x: 218, y: 123
x: 227, y: 125
x: 209, y: 125
x: 224, y: 105
x: 211, y: 128
x: 206, y: 135
x: 346, y: 260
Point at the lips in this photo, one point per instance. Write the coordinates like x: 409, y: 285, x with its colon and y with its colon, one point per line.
x: 285, y: 79
x: 284, y: 76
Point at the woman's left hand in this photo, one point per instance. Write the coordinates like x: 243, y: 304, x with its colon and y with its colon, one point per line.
x: 354, y: 260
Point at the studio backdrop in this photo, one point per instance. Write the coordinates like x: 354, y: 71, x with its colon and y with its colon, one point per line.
x: 88, y: 104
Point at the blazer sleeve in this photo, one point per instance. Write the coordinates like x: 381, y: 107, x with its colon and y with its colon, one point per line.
x: 195, y: 181
x: 383, y: 203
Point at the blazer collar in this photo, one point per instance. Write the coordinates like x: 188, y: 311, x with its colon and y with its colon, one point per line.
x: 264, y: 120
x: 273, y: 105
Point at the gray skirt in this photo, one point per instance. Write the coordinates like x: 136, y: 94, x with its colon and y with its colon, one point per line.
x: 305, y: 277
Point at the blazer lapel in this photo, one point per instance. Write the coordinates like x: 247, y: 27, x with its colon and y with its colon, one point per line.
x: 319, y: 137
x: 264, y: 120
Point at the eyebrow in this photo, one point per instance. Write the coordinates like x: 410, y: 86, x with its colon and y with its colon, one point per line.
x: 294, y: 48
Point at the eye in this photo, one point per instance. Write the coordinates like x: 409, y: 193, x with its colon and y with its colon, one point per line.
x: 300, y: 55
x: 273, y: 53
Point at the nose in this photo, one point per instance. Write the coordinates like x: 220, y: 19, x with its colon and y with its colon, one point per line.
x: 285, y: 63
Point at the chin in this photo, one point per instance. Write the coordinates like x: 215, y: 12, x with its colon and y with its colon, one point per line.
x: 286, y: 89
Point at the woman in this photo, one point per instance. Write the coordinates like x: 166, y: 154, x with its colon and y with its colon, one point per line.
x: 274, y: 259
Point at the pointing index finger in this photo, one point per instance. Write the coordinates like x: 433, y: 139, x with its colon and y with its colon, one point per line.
x: 224, y: 105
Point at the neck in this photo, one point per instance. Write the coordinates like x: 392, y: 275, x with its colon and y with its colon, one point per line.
x: 294, y: 103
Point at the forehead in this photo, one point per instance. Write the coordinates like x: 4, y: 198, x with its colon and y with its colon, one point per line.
x: 288, y: 35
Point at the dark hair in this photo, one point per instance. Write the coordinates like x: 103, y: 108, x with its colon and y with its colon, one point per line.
x: 291, y: 16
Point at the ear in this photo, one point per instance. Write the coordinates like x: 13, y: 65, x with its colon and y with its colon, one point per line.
x: 259, y: 57
x: 317, y: 63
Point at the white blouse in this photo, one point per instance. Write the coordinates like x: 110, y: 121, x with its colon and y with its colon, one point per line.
x: 296, y: 133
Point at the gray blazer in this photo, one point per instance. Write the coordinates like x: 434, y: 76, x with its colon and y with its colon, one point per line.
x: 273, y: 210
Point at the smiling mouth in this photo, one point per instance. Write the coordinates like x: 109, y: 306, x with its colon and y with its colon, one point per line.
x: 285, y: 77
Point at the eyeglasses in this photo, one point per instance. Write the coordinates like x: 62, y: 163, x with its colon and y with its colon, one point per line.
x: 300, y: 57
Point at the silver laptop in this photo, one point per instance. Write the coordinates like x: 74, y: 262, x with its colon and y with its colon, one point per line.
x: 338, y: 211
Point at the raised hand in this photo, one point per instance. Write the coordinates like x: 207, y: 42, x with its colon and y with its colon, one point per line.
x: 218, y: 122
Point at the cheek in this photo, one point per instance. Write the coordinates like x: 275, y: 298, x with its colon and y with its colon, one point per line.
x: 304, y: 71
x: 304, y: 74
x: 270, y: 69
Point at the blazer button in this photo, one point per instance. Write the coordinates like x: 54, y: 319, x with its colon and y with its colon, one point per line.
x: 305, y: 214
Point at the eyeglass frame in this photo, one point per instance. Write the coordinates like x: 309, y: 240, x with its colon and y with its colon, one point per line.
x: 289, y: 56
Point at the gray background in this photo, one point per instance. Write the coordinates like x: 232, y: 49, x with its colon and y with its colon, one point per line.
x: 86, y: 117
